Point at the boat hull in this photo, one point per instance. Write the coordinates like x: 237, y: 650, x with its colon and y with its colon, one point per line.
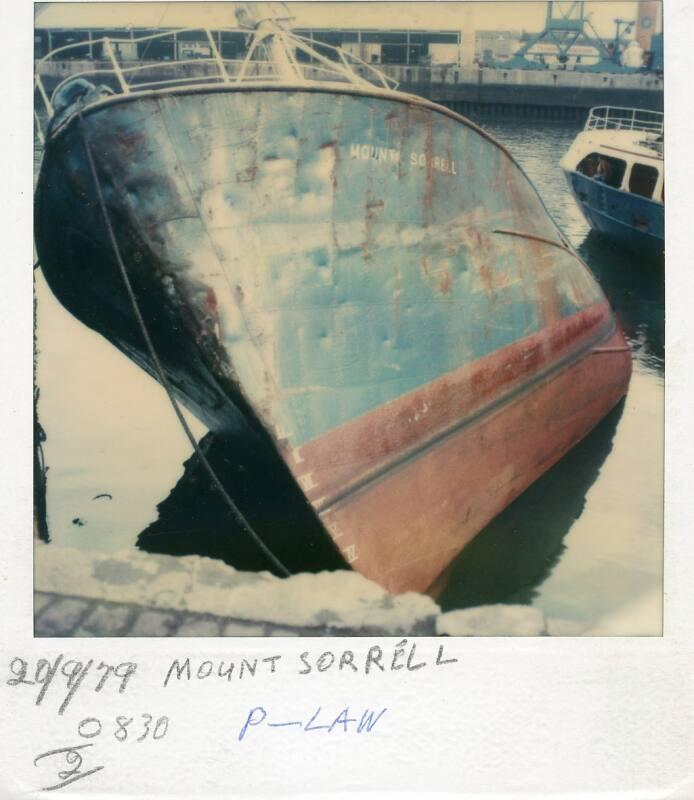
x: 634, y: 222
x: 367, y: 287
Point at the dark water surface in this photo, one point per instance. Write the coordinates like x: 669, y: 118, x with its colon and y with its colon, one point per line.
x: 583, y: 544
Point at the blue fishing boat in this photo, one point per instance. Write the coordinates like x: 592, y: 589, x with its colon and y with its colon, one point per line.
x: 615, y: 171
x: 357, y: 282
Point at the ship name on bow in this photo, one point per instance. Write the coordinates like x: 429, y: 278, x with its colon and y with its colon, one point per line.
x: 389, y: 155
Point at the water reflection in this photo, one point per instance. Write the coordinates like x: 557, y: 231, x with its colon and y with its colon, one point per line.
x: 516, y: 552
x: 194, y: 519
x: 506, y: 562
x: 636, y: 288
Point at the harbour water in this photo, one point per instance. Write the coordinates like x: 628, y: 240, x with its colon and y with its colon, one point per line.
x: 584, y: 544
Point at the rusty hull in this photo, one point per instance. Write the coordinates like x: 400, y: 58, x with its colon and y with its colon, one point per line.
x: 369, y: 285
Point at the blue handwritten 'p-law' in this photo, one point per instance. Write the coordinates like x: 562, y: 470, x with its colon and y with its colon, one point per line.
x: 258, y: 716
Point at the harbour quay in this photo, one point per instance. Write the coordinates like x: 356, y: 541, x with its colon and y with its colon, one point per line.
x: 559, y: 72
x: 132, y: 593
x: 560, y: 94
x: 556, y: 94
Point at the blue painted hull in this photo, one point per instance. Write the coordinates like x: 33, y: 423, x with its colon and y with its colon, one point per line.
x: 635, y: 222
x: 348, y: 274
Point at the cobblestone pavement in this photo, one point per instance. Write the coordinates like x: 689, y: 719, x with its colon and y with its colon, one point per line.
x: 60, y: 615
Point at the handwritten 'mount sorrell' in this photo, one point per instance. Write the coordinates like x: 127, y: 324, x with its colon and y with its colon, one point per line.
x: 402, y: 656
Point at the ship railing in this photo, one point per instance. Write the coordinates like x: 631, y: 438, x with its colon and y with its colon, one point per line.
x: 363, y: 70
x: 625, y: 119
x: 272, y: 55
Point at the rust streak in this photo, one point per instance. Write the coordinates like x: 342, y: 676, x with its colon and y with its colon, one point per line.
x: 446, y: 282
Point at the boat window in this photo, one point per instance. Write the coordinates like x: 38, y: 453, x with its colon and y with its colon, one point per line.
x: 643, y: 179
x: 605, y: 169
x: 589, y: 165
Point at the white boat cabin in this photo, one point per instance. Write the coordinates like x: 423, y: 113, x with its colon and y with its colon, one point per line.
x: 623, y: 148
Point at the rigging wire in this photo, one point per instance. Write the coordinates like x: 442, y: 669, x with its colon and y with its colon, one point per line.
x: 158, y: 26
x: 163, y: 379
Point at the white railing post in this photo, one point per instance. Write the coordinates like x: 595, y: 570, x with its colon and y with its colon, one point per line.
x: 247, y: 59
x: 116, y: 66
x: 223, y: 74
x: 281, y: 56
x: 44, y: 96
x: 343, y: 58
x: 39, y: 131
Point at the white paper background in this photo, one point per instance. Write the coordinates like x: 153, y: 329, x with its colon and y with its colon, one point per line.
x: 534, y: 718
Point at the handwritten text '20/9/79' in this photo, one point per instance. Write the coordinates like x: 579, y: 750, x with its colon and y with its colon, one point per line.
x: 389, y: 155
x: 72, y: 672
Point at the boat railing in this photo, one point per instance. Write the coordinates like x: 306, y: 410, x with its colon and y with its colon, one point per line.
x: 625, y: 119
x: 273, y: 55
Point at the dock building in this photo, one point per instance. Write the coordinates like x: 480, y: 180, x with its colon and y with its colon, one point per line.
x: 404, y: 46
x: 437, y: 64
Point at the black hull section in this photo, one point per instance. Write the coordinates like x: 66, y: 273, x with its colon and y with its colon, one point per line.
x: 194, y: 519
x: 82, y: 271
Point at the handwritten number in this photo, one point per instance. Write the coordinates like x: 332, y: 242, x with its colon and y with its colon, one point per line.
x: 76, y: 777
x: 148, y: 718
x: 18, y: 667
x: 72, y: 757
x: 90, y: 732
x: 91, y: 727
x: 162, y: 721
x: 122, y: 733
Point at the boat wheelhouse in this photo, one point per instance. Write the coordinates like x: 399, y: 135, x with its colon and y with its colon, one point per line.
x: 615, y: 171
x: 357, y: 282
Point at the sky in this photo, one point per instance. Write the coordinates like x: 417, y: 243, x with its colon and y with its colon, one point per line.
x: 516, y: 14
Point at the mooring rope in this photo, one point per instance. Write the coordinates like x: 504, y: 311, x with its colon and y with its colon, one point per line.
x: 236, y: 513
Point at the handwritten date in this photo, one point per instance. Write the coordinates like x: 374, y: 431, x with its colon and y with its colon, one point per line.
x: 72, y: 673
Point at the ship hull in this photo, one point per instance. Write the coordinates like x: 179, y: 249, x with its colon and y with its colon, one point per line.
x: 368, y: 287
x: 634, y: 222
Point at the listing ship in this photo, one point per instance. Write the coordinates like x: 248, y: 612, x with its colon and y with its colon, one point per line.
x: 358, y: 282
x: 615, y: 171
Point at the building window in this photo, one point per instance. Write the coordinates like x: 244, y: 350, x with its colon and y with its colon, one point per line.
x: 73, y: 38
